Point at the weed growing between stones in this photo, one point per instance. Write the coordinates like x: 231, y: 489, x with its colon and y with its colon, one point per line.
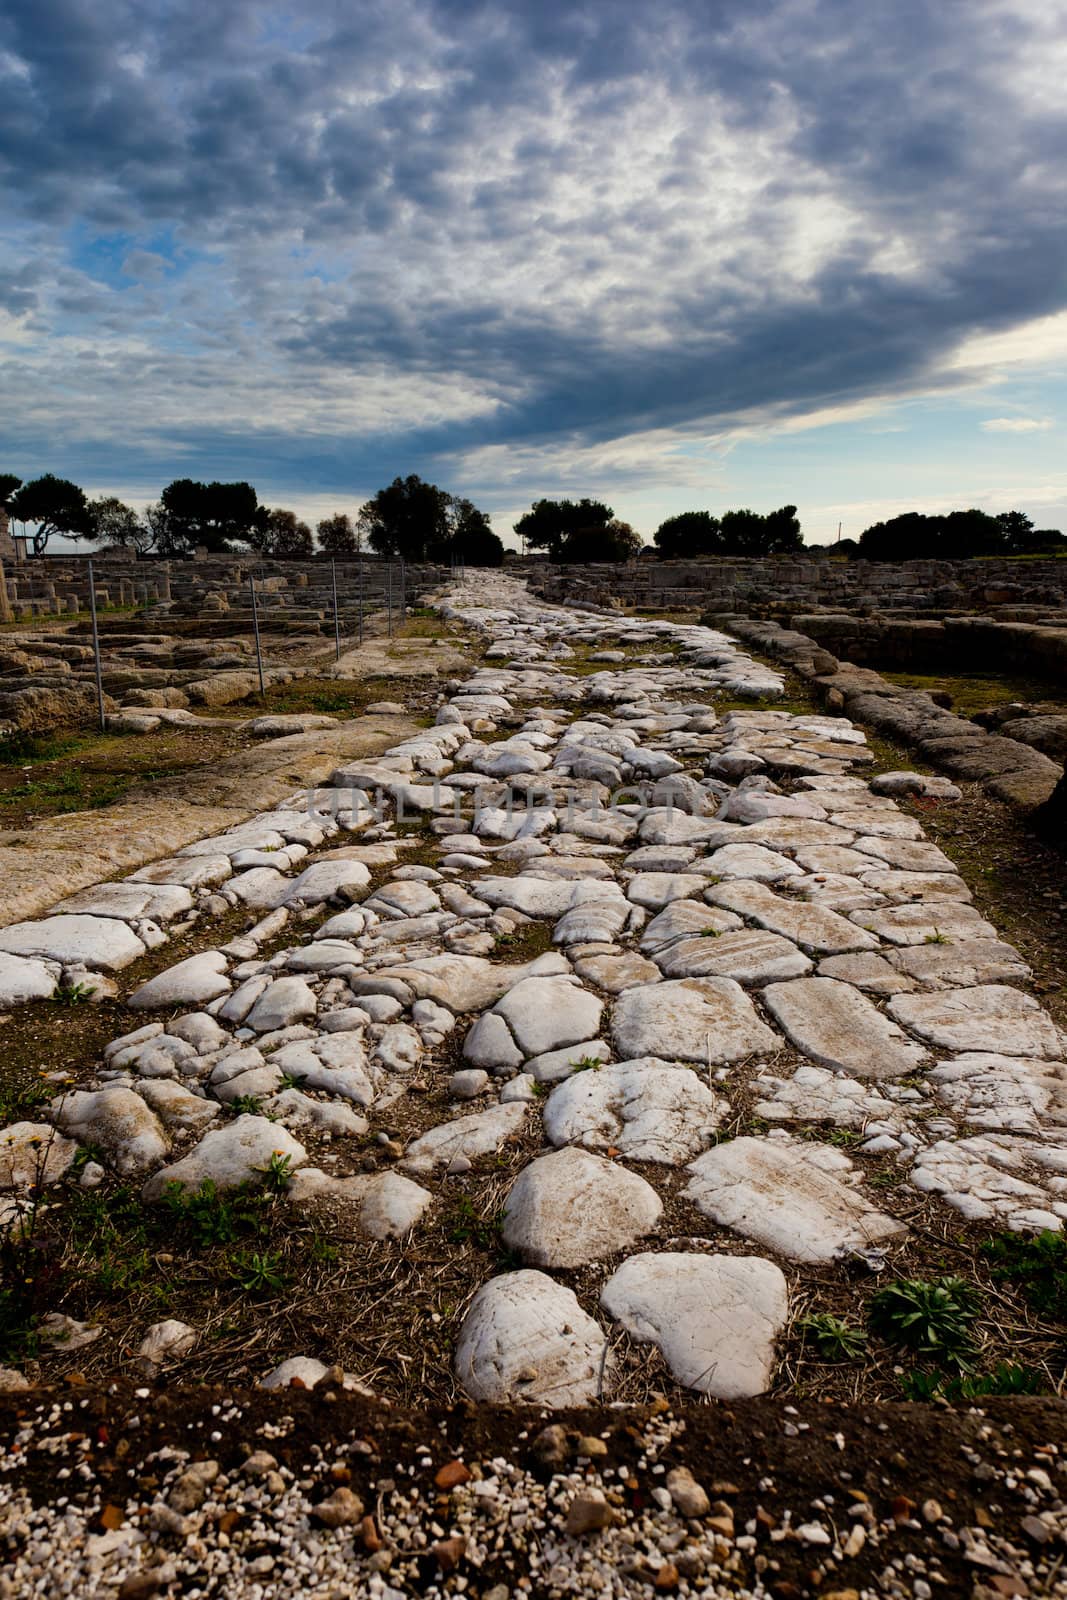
x: 933, y: 1318
x: 834, y: 1339
x: 1037, y: 1266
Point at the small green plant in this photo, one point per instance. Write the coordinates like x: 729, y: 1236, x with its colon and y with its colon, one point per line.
x: 709, y: 933
x: 258, y: 1272
x: 73, y: 994
x: 937, y: 938
x: 833, y: 1339
x: 247, y: 1103
x: 210, y: 1216
x: 1005, y: 1379
x: 1036, y: 1264
x: 931, y: 1317
x: 468, y: 1226
x: 277, y: 1172
x: 586, y: 1064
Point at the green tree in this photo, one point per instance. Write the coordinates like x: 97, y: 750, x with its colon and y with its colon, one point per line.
x: 611, y: 541
x: 8, y: 484
x: 52, y: 506
x: 215, y: 515
x: 747, y: 533
x: 471, y: 538
x: 338, y: 536
x: 114, y: 523
x: 914, y: 536
x: 549, y: 523
x: 690, y: 533
x: 281, y: 535
x: 406, y: 519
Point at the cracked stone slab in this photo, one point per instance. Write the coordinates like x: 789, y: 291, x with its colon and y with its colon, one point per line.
x: 684, y: 918
x: 814, y: 1094
x: 978, y: 1178
x: 906, y: 855
x: 991, y: 1018
x: 750, y: 861
x: 816, y: 929
x: 866, y: 970
x: 750, y: 955
x: 796, y: 1199
x: 190, y: 982
x: 127, y: 902
x: 463, y: 983
x: 548, y: 1013
x: 715, y: 1318
x: 22, y: 979
x: 711, y: 1020
x: 572, y: 1207
x: 102, y: 943
x: 654, y: 890
x: 901, y: 887
x: 1005, y: 1094
x: 648, y: 1110
x: 960, y: 966
x: 616, y: 970
x: 526, y: 1339
x: 838, y: 1027
x: 467, y: 1137
x: 797, y: 833
x: 922, y: 924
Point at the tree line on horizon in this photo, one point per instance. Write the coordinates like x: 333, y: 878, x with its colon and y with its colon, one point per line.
x: 409, y: 519
x: 413, y: 520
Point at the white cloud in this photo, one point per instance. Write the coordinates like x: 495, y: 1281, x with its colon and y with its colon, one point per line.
x: 1016, y: 425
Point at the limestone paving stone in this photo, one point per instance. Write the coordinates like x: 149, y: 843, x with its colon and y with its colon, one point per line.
x: 103, y: 944
x: 119, y: 1122
x: 953, y: 966
x: 22, y: 979
x: 572, y: 1207
x: 240, y: 1152
x: 715, y: 1318
x: 814, y: 1094
x: 750, y: 861
x: 548, y: 1013
x: 616, y: 970
x: 980, y: 1178
x: 556, y: 1064
x: 901, y: 887
x: 193, y: 981
x: 868, y: 971
x: 655, y: 890
x: 991, y: 1018
x: 1005, y: 1094
x: 710, y: 1020
x: 749, y: 955
x: 923, y: 924
x: 526, y: 1340
x: 33, y: 1155
x: 838, y: 1027
x: 793, y: 1199
x: 816, y: 929
x: 683, y: 918
x: 647, y: 1109
x: 469, y: 1137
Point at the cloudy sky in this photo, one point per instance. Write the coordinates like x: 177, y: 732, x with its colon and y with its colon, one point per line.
x: 673, y: 253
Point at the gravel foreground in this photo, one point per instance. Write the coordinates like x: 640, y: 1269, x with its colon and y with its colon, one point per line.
x: 142, y: 1491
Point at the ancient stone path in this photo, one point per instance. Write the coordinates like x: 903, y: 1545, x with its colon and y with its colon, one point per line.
x: 710, y: 936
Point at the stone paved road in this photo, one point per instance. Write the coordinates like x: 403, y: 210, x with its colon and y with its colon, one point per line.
x: 703, y: 924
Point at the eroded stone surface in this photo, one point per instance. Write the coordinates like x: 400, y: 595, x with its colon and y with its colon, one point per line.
x: 694, y: 1019
x: 525, y: 1339
x: 647, y: 1109
x: 715, y: 1318
x: 839, y: 1028
x: 992, y: 1018
x: 572, y: 1207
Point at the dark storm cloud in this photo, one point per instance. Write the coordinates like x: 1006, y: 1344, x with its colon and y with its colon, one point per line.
x: 321, y: 156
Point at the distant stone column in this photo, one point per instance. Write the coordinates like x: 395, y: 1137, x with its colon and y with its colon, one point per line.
x: 5, y: 605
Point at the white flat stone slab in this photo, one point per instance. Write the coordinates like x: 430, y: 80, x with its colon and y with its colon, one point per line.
x: 654, y: 890
x: 526, y: 1339
x: 868, y: 971
x: 467, y: 983
x: 572, y: 1207
x: 468, y: 1137
x: 241, y: 1152
x: 901, y: 887
x: 815, y: 928
x: 922, y: 924
x: 906, y: 855
x: 283, y: 1002
x: 386, y: 1204
x: 750, y: 861
x: 749, y: 955
x: 102, y: 943
x: 557, y: 1064
x: 22, y: 979
x: 871, y: 824
x: 815, y: 1095
x: 992, y: 1018
x: 715, y: 1318
x: 1004, y: 1094
x: 616, y: 970
x: 797, y: 833
x: 190, y: 872
x: 192, y: 982
x: 648, y: 1110
x: 548, y: 1013
x: 981, y: 1178
x: 961, y: 965
x: 128, y: 901
x: 838, y: 1027
x: 710, y: 1020
x: 685, y: 918
x: 794, y: 1199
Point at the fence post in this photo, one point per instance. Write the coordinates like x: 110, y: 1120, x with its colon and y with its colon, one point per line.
x: 255, y: 630
x: 360, y: 560
x: 336, y: 615
x: 96, y: 650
